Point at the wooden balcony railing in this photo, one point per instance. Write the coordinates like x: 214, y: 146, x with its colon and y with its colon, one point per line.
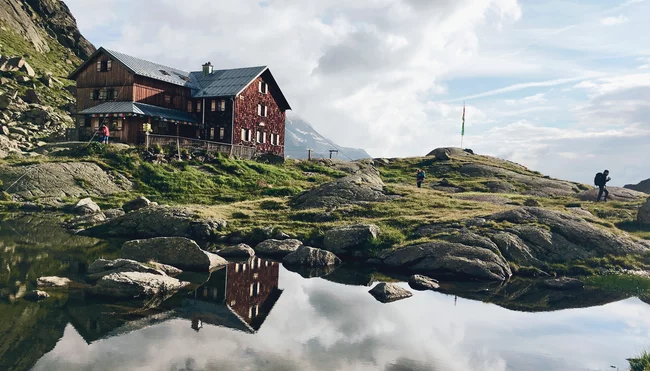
x: 238, y: 151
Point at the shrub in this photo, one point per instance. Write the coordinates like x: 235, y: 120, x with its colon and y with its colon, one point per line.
x: 157, y: 149
x: 281, y: 191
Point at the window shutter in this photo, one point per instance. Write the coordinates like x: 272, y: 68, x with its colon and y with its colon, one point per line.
x: 223, y: 105
x: 222, y: 133
x: 109, y: 65
x: 99, y: 66
x: 263, y: 137
x: 243, y: 134
x: 259, y: 110
x: 92, y: 95
x: 214, y: 105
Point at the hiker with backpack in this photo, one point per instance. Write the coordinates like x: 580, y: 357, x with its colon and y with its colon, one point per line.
x: 420, y: 177
x: 600, y: 181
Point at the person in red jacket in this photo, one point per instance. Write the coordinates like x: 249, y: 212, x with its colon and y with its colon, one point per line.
x: 105, y: 133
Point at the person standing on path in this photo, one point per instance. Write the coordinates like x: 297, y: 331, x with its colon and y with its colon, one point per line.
x: 601, y: 180
x: 420, y: 177
x: 105, y: 133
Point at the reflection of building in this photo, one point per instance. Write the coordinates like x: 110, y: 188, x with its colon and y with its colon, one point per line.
x: 239, y: 297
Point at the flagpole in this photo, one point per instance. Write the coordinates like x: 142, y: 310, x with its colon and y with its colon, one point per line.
x: 462, y: 132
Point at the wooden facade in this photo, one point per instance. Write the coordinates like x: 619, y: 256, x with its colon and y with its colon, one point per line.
x: 254, y: 117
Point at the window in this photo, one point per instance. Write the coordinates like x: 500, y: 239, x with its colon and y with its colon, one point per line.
x: 261, y: 110
x: 104, y: 66
x: 259, y: 136
x: 236, y: 267
x: 198, y: 106
x: 223, y: 105
x: 168, y: 99
x: 263, y: 87
x: 110, y: 93
x: 109, y: 65
x: 243, y: 134
x: 211, y: 133
x: 94, y: 95
x: 246, y: 135
x: 222, y: 133
x: 99, y: 66
x: 255, y: 289
x: 253, y: 311
x: 189, y: 106
x: 275, y: 139
x: 102, y: 94
x: 214, y: 105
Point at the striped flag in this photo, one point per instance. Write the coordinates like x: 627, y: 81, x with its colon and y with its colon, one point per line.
x: 462, y: 131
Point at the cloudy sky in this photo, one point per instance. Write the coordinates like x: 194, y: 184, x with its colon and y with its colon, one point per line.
x: 561, y: 86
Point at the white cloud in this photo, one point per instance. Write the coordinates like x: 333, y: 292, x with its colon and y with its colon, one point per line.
x: 613, y: 21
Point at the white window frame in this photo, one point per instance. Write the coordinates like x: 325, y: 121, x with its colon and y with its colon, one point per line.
x: 243, y: 135
x: 259, y: 137
x: 263, y: 87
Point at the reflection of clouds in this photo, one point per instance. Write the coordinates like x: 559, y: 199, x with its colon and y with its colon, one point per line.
x: 319, y: 325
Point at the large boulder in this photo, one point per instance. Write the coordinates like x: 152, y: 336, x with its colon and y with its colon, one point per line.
x: 643, y: 186
x: 102, y: 267
x: 136, y: 204
x: 129, y: 285
x: 179, y: 252
x: 643, y: 217
x: 239, y: 251
x: 615, y: 194
x: 389, y: 292
x: 62, y: 180
x: 7, y: 147
x: 86, y: 206
x: 311, y: 257
x: 364, y: 186
x: 440, y: 257
x: 445, y: 153
x: 422, y: 283
x: 277, y: 248
x: 159, y: 221
x: 343, y: 240
x: 53, y: 281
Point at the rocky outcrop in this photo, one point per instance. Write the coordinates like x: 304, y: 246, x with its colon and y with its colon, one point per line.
x: 364, y: 186
x: 615, y: 194
x: 239, y: 251
x: 86, y: 206
x: 643, y: 186
x: 344, y: 240
x: 101, y: 267
x: 450, y: 259
x: 311, y: 257
x: 446, y: 153
x: 60, y: 180
x: 7, y: 146
x: 389, y: 292
x: 113, y: 213
x: 179, y: 252
x: 422, y: 283
x: 159, y: 221
x: 277, y: 248
x: 129, y: 285
x: 643, y: 217
x: 53, y: 282
x: 136, y: 204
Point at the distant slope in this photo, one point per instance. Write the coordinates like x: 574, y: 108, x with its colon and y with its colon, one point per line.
x: 643, y: 186
x: 301, y: 136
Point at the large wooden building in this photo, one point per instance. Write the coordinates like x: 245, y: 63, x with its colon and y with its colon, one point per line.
x: 235, y: 107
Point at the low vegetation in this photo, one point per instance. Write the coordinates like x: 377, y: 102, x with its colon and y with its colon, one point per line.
x: 641, y: 363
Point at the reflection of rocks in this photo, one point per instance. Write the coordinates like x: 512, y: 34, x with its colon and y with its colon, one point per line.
x: 564, y: 283
x: 179, y: 252
x: 36, y: 295
x: 311, y: 257
x: 419, y: 282
x: 277, y: 248
x: 311, y: 272
x: 53, y: 282
x: 355, y: 276
x: 341, y: 240
x: 129, y: 285
x: 389, y: 292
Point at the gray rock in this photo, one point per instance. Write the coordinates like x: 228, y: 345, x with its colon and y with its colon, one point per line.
x: 136, y: 204
x: 443, y: 152
x: 85, y: 221
x: 31, y: 96
x: 341, y: 240
x: 36, y: 295
x: 242, y: 250
x: 157, y: 221
x: 450, y: 258
x: 53, y: 282
x: 86, y: 206
x: 167, y: 269
x: 389, y: 292
x: 532, y: 202
x: 179, y: 252
x: 26, y: 68
x: 564, y: 283
x: 615, y: 194
x: 113, y: 213
x: 643, y: 217
x: 311, y: 257
x: 128, y: 285
x: 422, y: 283
x: 364, y: 186
x: 277, y: 248
x: 5, y: 101
x: 4, y: 130
x: 101, y: 267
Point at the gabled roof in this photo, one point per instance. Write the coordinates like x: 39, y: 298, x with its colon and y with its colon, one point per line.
x: 140, y: 109
x: 222, y: 83
x: 142, y: 67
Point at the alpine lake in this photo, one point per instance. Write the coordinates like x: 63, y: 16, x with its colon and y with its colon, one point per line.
x: 258, y: 315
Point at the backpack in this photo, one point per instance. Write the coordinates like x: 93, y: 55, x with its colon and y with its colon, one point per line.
x: 598, y: 179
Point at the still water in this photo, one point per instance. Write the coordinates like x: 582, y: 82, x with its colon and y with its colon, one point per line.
x: 257, y: 315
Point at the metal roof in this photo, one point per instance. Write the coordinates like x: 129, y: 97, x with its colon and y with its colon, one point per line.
x: 223, y: 82
x: 153, y: 70
x: 140, y: 109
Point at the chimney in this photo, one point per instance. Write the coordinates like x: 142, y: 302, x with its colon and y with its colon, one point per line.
x: 207, y: 69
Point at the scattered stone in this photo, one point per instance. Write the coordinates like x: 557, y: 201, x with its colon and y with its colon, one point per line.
x: 422, y: 283
x: 5, y: 101
x: 28, y: 70
x: 564, y: 283
x: 129, y: 285
x: 643, y: 217
x: 53, y: 282
x: 86, y: 206
x: 4, y: 130
x: 138, y: 203
x: 389, y: 292
x: 311, y: 257
x: 85, y: 221
x: 47, y: 81
x: 31, y: 96
x: 179, y: 252
x: 277, y: 248
x: 240, y: 251
x: 113, y: 213
x: 101, y: 267
x: 341, y: 240
x: 36, y: 295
